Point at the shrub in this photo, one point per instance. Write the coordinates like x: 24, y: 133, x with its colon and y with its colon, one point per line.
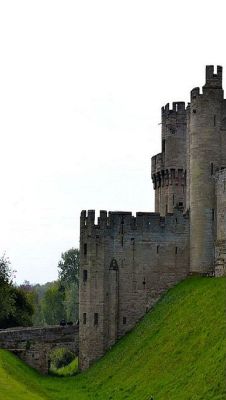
x: 61, y: 357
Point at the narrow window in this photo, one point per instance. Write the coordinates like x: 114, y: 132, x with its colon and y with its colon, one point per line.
x: 194, y: 111
x: 213, y: 216
x: 173, y: 199
x: 95, y: 318
x: 157, y: 249
x: 214, y: 120
x: 85, y: 275
x: 176, y: 250
x: 163, y: 145
x: 85, y: 249
x: 84, y: 318
x: 211, y: 168
x: 166, y: 208
x: 124, y: 320
x: 133, y: 244
x: 180, y: 204
x: 96, y: 249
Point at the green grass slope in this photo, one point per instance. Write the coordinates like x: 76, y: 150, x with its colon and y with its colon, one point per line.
x: 177, y: 352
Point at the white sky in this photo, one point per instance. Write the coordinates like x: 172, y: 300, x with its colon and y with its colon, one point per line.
x: 81, y: 87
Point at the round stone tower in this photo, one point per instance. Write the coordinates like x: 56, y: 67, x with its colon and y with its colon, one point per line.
x: 205, y: 149
x: 169, y: 166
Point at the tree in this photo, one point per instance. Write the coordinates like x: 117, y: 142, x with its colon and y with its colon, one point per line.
x: 6, y: 272
x: 16, y: 308
x: 52, y: 304
x: 69, y: 267
x: 6, y: 294
x: 68, y: 274
x: 21, y: 312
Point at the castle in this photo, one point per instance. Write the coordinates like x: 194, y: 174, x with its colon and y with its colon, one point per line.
x: 127, y: 262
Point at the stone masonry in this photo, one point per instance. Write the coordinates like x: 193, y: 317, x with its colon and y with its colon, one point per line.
x: 127, y: 262
x: 33, y: 345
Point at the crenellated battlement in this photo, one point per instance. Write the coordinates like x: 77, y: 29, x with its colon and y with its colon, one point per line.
x: 170, y: 176
x: 176, y: 107
x: 195, y: 93
x: 124, y: 221
x: 157, y: 163
x: 214, y: 80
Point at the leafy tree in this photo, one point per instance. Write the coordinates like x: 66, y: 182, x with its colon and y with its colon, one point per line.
x: 69, y: 267
x: 6, y: 272
x: 16, y: 307
x: 68, y: 274
x: 71, y: 302
x: 53, y: 304
x: 21, y: 311
x: 6, y: 294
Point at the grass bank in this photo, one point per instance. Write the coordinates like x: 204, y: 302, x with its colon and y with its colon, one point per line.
x: 177, y: 352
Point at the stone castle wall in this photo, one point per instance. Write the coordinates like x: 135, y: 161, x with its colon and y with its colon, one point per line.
x: 126, y: 264
x: 220, y: 249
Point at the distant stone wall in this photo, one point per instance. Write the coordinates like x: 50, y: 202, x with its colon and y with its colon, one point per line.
x: 33, y: 345
x: 126, y: 264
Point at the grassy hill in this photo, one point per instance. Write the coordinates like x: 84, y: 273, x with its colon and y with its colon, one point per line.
x: 177, y: 352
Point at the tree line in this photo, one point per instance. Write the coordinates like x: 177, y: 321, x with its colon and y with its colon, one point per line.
x: 36, y: 304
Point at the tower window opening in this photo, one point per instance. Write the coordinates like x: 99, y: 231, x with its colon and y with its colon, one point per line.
x: 194, y: 111
x: 85, y: 275
x: 211, y: 168
x: 213, y: 214
x: 85, y: 249
x: 176, y: 250
x: 124, y: 320
x: 214, y: 120
x: 96, y: 317
x: 84, y: 318
x: 163, y: 145
x: 157, y: 249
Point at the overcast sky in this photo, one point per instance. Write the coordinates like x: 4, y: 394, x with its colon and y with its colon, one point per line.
x: 81, y: 87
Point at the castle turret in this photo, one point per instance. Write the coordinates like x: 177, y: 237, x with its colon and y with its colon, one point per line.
x: 205, y: 149
x: 169, y: 167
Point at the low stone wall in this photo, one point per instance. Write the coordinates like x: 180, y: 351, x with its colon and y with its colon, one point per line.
x: 33, y: 345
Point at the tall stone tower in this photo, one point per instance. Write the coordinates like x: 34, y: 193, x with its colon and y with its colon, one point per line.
x: 205, y: 159
x: 169, y: 166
